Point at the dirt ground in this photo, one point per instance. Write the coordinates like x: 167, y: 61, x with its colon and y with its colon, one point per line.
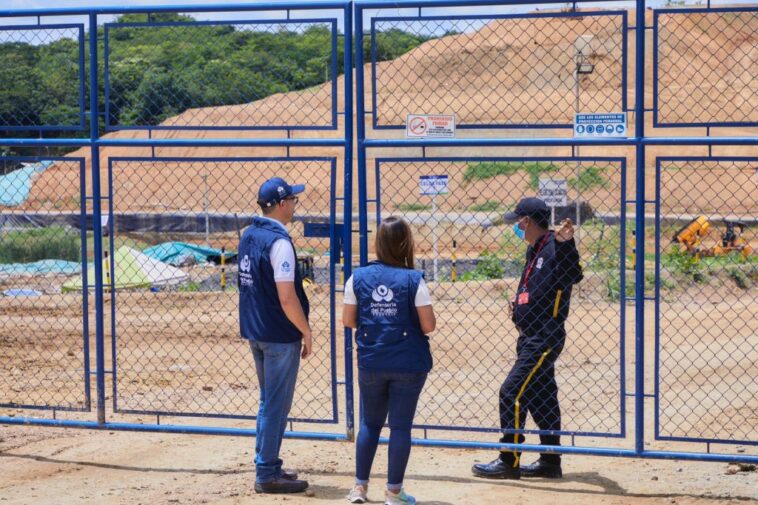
x: 179, y: 351
x: 56, y: 466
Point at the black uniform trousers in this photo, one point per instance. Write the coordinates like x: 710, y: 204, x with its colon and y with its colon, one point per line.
x: 531, y: 387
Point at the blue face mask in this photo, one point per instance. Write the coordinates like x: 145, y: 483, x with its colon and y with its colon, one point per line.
x: 518, y: 231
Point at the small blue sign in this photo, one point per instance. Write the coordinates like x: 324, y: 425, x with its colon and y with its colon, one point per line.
x: 600, y: 125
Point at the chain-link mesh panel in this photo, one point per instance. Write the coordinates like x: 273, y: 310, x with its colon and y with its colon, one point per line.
x: 502, y: 71
x: 706, y: 67
x: 177, y: 342
x: 708, y: 329
x: 43, y: 325
x: 473, y: 262
x: 41, y: 85
x: 223, y: 75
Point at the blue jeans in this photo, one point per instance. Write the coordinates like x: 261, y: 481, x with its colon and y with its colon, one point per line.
x: 276, y: 365
x: 383, y: 393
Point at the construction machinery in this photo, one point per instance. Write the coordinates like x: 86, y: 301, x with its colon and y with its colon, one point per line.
x: 690, y: 238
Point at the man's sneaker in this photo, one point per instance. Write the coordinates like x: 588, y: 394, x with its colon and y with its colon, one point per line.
x: 496, y: 469
x: 281, y: 486
x: 400, y: 498
x: 358, y: 494
x: 542, y: 468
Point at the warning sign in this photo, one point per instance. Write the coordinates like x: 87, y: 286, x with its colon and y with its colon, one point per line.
x: 430, y: 126
x: 433, y: 184
x: 553, y: 192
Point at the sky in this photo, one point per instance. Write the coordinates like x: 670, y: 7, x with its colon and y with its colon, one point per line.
x: 390, y: 11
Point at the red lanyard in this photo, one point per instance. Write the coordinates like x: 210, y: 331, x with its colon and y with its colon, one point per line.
x: 534, y: 260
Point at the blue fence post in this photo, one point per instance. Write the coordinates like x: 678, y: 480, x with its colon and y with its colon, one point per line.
x: 360, y: 119
x: 347, y: 227
x: 639, y: 273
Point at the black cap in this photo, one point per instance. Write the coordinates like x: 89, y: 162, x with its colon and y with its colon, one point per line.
x: 533, y: 208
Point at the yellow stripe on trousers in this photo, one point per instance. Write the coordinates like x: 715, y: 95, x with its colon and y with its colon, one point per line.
x: 518, y: 401
x: 557, y: 303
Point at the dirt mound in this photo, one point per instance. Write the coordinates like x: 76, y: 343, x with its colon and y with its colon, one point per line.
x: 514, y: 68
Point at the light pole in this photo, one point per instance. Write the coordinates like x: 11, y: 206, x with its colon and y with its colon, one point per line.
x: 582, y: 53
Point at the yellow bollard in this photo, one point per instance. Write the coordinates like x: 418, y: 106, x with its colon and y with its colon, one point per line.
x: 223, y: 268
x: 453, y: 269
x: 634, y: 248
x: 107, y: 268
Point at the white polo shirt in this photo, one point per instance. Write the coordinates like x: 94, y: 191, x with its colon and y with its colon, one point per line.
x: 282, y: 256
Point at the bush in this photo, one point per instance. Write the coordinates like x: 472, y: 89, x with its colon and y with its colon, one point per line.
x: 27, y: 246
x: 488, y: 267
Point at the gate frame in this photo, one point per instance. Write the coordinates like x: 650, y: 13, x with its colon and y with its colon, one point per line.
x: 640, y: 141
x: 94, y: 142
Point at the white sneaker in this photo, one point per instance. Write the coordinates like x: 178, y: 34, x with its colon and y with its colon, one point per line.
x: 400, y: 498
x: 358, y: 494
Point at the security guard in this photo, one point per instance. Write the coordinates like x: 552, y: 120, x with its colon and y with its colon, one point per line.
x: 539, y: 310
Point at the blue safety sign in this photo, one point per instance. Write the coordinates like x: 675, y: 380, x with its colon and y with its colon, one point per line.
x: 600, y: 125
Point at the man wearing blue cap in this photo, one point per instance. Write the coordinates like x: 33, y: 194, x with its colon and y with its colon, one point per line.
x: 274, y: 319
x: 539, y: 310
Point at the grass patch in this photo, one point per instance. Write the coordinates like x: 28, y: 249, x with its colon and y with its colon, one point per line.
x: 590, y: 177
x: 488, y: 206
x: 739, y: 277
x: 412, y: 207
x: 488, y: 169
x: 26, y: 246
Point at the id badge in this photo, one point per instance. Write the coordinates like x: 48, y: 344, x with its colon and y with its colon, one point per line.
x: 523, y: 298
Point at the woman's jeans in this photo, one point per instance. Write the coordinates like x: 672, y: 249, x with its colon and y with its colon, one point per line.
x: 383, y: 393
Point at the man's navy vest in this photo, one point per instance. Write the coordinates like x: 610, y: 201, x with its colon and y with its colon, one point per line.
x: 261, y: 315
x: 389, y: 334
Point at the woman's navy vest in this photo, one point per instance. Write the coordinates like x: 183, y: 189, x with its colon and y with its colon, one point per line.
x: 261, y: 315
x: 389, y: 334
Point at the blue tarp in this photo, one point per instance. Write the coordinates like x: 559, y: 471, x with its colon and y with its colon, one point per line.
x: 15, y: 186
x: 41, y: 268
x: 176, y: 253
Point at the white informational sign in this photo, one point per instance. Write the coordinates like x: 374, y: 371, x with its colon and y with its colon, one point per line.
x: 600, y: 125
x: 433, y: 184
x: 429, y: 126
x: 553, y: 192
x: 104, y: 221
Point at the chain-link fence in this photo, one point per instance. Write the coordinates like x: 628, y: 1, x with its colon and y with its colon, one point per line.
x: 176, y: 342
x: 219, y: 75
x: 498, y: 71
x: 42, y: 81
x: 705, y: 67
x: 473, y: 262
x: 707, y: 332
x: 45, y: 240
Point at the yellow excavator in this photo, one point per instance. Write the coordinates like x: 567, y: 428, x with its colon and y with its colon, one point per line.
x: 690, y: 238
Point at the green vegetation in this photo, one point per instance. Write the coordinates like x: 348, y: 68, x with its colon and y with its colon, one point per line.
x: 412, y: 207
x: 590, y: 177
x: 489, y: 266
x: 488, y: 206
x: 158, y: 72
x: 27, y: 246
x: 739, y: 277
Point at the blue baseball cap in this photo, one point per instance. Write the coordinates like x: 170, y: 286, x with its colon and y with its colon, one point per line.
x: 275, y: 190
x: 533, y: 208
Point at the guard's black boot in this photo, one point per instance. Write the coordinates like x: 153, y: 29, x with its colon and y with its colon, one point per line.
x: 497, y: 469
x: 543, y: 468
